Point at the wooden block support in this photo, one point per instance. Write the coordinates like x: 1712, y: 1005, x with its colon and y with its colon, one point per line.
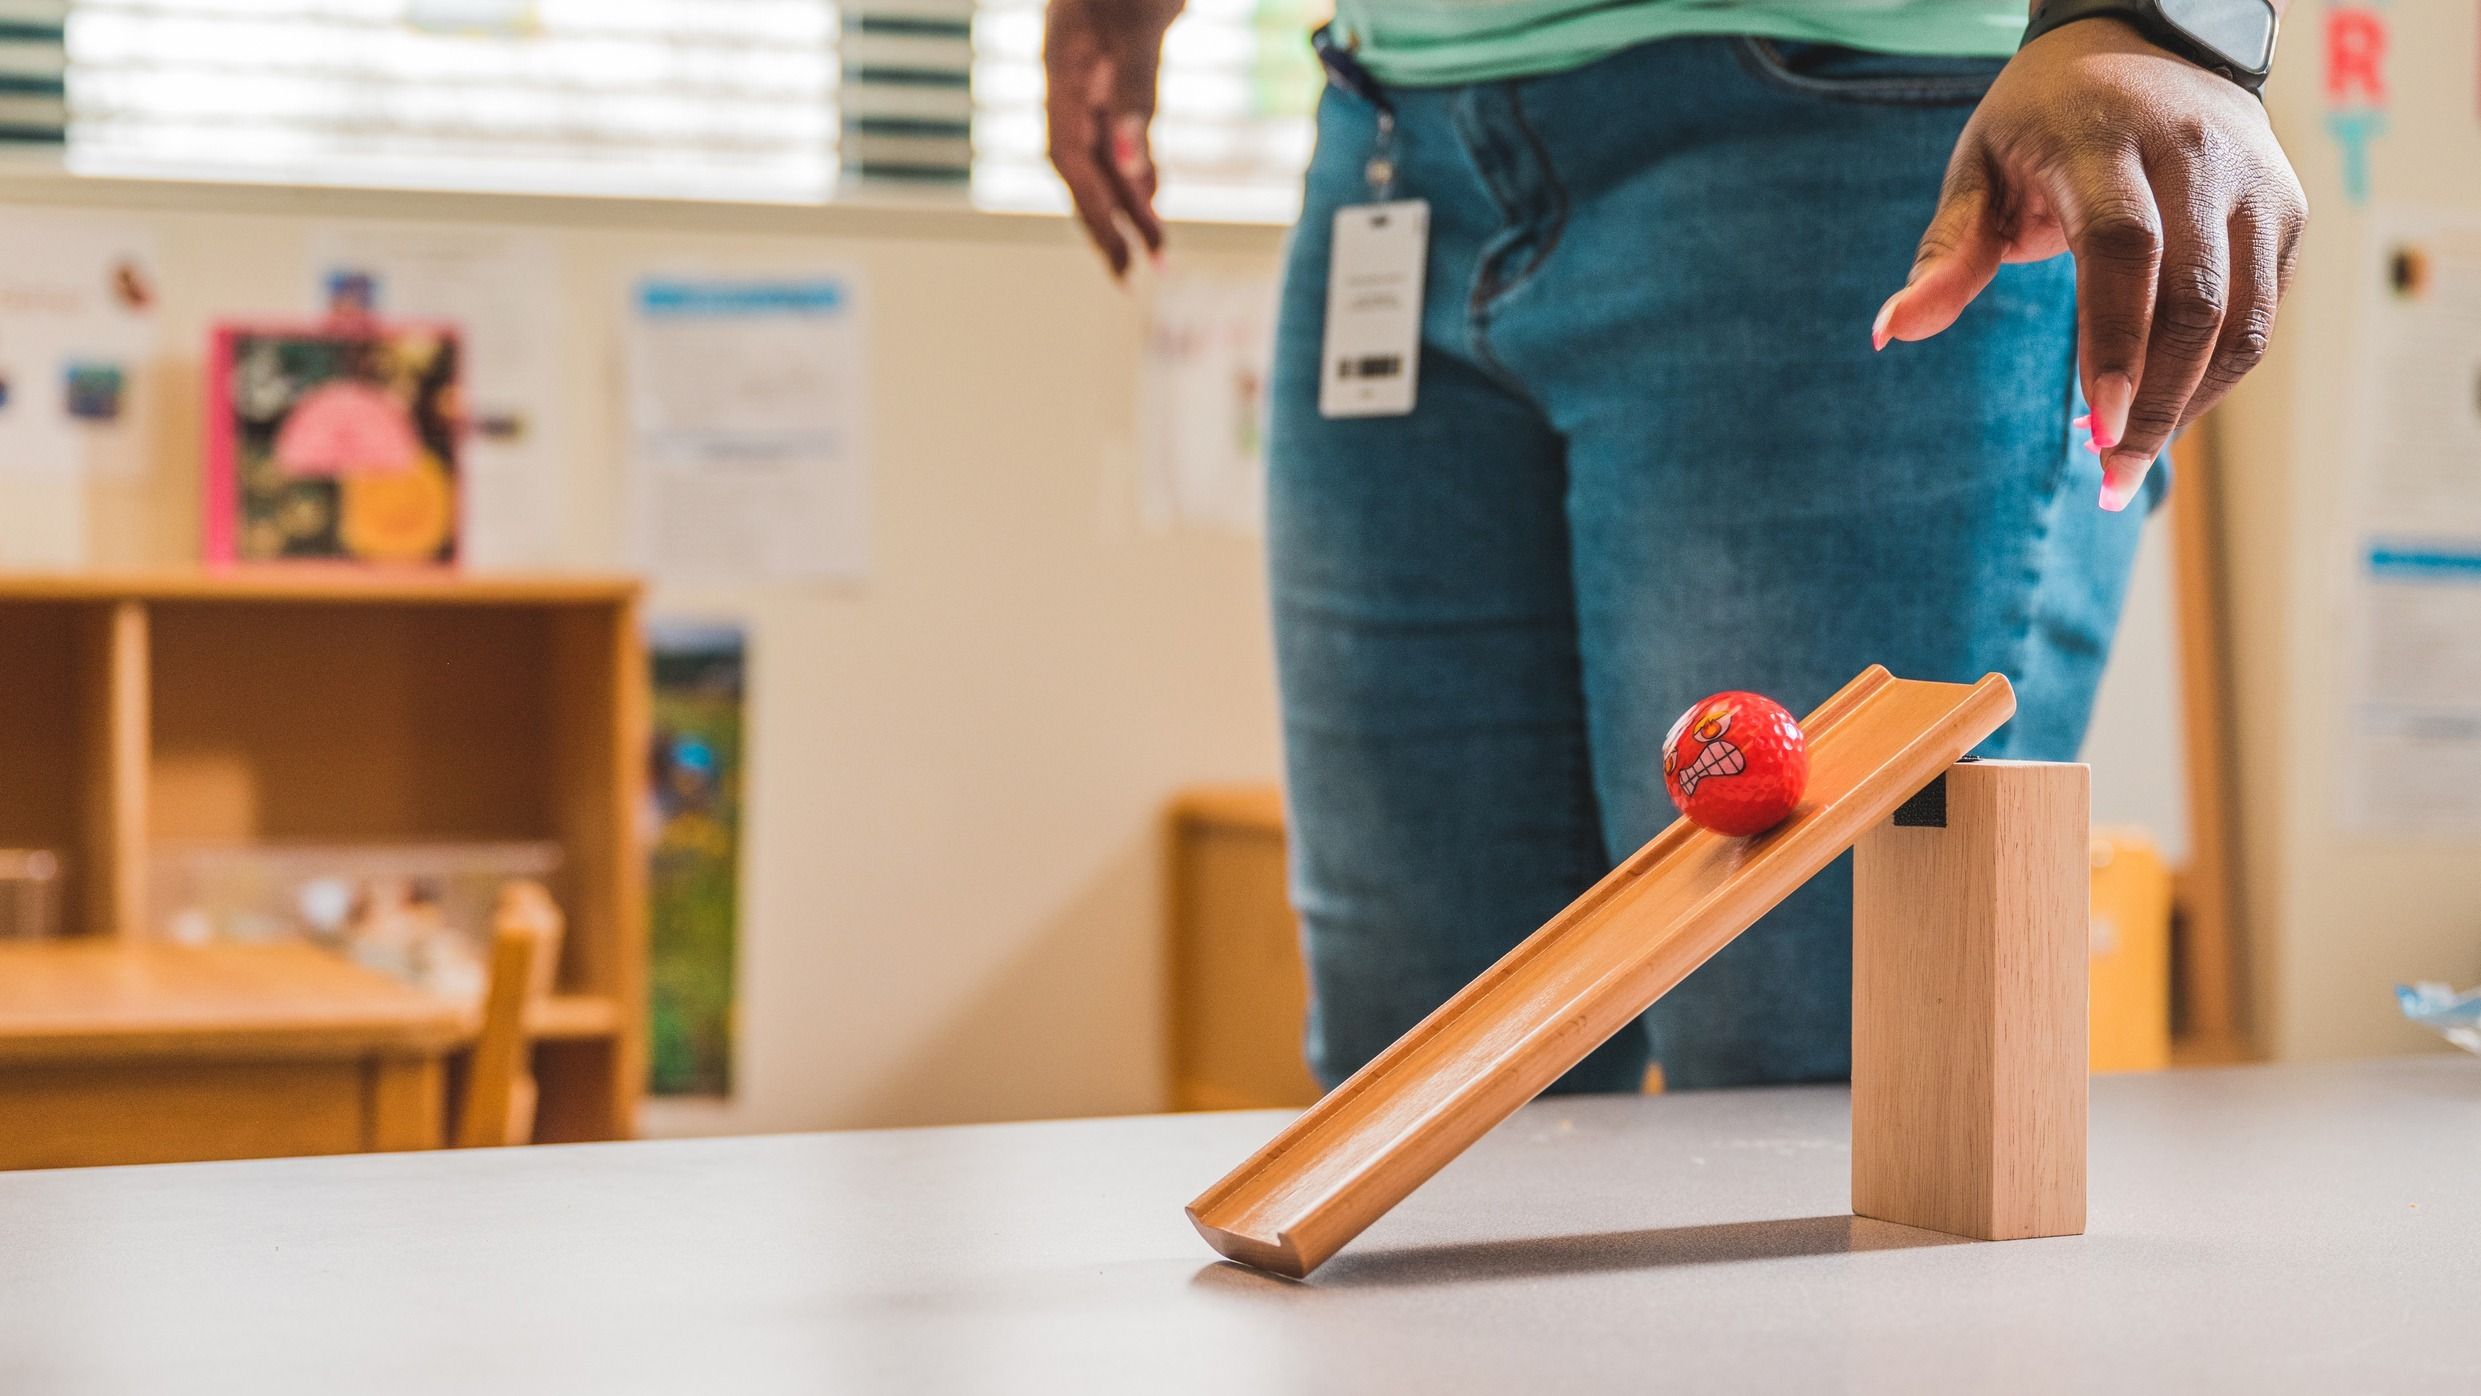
x: 1968, y: 1005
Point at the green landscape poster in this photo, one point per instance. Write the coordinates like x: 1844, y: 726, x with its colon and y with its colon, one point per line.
x: 694, y: 881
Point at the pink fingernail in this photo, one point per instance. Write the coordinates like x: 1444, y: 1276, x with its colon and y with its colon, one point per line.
x: 2081, y: 423
x: 1128, y: 146
x: 1878, y: 328
x: 2093, y: 446
x: 2119, y: 484
x: 2113, y: 394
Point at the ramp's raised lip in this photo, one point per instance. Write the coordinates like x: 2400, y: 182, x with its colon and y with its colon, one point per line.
x: 1587, y: 973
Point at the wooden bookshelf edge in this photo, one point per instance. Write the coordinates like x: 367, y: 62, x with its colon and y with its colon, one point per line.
x: 323, y: 584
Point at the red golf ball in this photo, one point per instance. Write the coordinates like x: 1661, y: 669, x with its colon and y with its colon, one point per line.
x: 1736, y: 763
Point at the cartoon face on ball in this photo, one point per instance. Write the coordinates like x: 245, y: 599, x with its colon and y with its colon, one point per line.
x: 1691, y: 754
x: 1736, y: 763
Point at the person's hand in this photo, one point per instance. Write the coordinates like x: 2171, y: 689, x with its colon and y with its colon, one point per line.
x: 2165, y: 181
x: 1099, y: 59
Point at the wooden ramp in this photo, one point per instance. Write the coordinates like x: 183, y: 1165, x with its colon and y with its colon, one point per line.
x: 1582, y: 978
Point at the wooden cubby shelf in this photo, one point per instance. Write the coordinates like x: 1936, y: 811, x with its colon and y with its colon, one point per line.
x: 146, y: 710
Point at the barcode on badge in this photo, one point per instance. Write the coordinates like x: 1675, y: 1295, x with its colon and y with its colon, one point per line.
x: 1374, y: 366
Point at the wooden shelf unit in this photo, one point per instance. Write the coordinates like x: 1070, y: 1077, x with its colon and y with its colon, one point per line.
x: 321, y: 707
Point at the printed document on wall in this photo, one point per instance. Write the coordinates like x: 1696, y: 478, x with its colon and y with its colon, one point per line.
x: 745, y: 404
x: 1202, y: 403
x: 2412, y: 654
x: 2412, y: 756
x: 2421, y: 390
x: 78, y: 328
x: 501, y: 289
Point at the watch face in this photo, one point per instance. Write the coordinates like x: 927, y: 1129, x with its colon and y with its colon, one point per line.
x: 2242, y: 31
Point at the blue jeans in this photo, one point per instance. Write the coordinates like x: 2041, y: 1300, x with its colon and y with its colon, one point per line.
x: 1653, y: 456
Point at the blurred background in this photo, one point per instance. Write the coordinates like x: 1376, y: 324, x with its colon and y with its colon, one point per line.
x: 574, y: 569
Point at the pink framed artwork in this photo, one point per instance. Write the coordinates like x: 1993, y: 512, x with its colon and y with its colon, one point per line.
x: 333, y: 442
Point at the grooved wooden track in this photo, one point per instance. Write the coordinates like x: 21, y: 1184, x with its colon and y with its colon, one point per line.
x: 1581, y: 978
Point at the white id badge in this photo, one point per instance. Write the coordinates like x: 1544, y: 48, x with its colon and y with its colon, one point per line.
x: 1373, y: 343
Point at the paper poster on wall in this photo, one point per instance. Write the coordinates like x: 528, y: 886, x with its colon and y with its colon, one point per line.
x: 2412, y: 757
x: 1202, y: 403
x: 78, y: 329
x: 2421, y: 388
x: 694, y: 873
x: 746, y: 428
x: 501, y: 288
x: 2412, y: 656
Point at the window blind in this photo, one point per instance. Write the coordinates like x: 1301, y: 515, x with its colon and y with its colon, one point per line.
x: 908, y: 105
x: 756, y: 99
x: 1232, y: 126
x: 732, y: 99
x: 33, y: 60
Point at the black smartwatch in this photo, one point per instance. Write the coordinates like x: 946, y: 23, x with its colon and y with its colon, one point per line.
x: 2232, y: 37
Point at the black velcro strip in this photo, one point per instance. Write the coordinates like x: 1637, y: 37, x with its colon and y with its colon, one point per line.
x: 1926, y: 810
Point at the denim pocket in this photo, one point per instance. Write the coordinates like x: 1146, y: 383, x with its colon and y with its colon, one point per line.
x: 1839, y: 74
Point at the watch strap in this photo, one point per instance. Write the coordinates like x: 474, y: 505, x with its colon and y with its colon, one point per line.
x: 2147, y: 18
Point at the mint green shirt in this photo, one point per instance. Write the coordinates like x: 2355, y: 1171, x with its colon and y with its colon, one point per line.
x: 1416, y: 43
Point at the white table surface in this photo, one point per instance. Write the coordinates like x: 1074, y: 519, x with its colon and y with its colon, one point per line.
x: 2256, y: 1230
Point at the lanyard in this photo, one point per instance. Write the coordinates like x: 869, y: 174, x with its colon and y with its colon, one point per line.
x: 1346, y: 72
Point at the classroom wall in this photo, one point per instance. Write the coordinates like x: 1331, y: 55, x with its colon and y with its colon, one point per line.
x: 956, y: 767
x: 2335, y: 916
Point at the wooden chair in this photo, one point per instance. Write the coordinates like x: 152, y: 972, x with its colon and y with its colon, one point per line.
x: 497, y: 1107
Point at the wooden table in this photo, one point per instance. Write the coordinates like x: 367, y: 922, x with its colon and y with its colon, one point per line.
x: 122, y: 1052
x: 2258, y: 1230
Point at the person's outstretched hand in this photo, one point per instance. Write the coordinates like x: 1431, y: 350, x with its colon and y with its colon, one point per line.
x: 1099, y: 59
x: 2165, y: 181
